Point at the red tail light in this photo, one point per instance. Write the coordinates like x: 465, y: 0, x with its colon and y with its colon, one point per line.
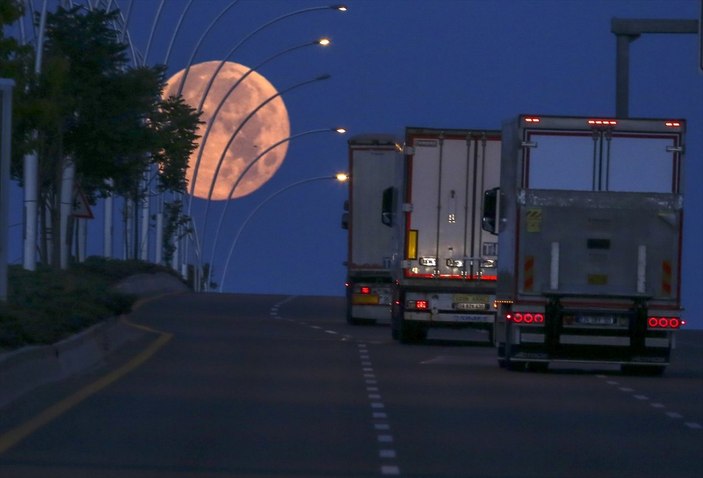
x: 665, y: 322
x: 526, y: 318
x: 422, y: 304
x: 365, y: 290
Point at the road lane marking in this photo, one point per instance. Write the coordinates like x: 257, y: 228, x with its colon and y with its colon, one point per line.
x: 380, y: 417
x: 19, y: 433
x: 671, y: 414
x: 390, y: 470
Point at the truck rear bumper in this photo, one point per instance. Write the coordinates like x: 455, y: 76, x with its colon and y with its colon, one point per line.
x: 531, y: 346
x: 450, y: 318
x: 381, y: 312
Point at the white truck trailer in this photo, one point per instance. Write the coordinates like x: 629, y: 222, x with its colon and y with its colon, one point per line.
x: 590, y: 218
x: 375, y: 168
x: 445, y: 275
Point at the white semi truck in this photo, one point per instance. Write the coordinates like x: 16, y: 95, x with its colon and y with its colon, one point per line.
x: 445, y: 273
x: 375, y: 167
x: 590, y: 214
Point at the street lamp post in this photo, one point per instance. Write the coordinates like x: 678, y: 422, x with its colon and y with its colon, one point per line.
x: 211, y: 122
x: 236, y: 132
x: 6, y: 86
x: 230, y: 196
x: 341, y: 177
x: 339, y: 8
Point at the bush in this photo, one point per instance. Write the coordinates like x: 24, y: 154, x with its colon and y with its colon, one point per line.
x: 45, y: 306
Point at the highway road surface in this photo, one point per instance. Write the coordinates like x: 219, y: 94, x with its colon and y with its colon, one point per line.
x: 271, y: 386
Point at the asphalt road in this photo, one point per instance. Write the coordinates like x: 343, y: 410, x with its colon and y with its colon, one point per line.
x: 269, y: 386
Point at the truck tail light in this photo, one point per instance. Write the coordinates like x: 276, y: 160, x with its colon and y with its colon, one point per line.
x: 665, y: 322
x: 531, y: 119
x: 673, y: 124
x: 365, y: 289
x: 602, y: 122
x: 525, y: 318
x: 418, y: 304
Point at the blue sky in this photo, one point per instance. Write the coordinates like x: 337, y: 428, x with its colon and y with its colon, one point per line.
x: 432, y: 63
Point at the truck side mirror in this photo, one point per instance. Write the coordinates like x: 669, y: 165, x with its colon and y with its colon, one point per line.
x: 491, y: 211
x: 388, y: 206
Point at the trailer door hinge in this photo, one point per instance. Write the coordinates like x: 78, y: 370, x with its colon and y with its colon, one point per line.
x: 407, y: 207
x: 674, y: 149
x: 408, y: 150
x: 528, y: 144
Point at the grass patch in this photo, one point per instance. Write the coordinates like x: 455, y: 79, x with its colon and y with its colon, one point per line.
x: 46, y: 306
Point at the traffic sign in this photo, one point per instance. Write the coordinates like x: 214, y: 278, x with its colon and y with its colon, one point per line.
x: 81, y: 208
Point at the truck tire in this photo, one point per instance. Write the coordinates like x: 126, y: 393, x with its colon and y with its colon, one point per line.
x: 643, y: 370
x: 411, y: 333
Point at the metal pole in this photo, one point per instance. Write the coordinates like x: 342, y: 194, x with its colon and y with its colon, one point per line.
x: 622, y: 76
x: 107, y: 226
x: 6, y: 85
x: 627, y: 31
x: 31, y: 170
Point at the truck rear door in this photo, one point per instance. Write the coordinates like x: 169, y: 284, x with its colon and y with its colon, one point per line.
x: 448, y: 172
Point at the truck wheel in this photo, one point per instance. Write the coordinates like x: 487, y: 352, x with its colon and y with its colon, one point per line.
x: 643, y: 370
x: 540, y: 367
x: 411, y: 333
x: 515, y: 366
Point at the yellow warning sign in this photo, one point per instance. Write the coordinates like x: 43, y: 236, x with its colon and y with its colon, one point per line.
x: 534, y: 219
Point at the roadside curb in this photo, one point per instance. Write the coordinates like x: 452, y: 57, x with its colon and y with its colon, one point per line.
x: 25, y: 369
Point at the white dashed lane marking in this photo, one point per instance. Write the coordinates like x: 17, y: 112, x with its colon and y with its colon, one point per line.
x: 381, y: 427
x: 660, y: 406
x: 384, y: 436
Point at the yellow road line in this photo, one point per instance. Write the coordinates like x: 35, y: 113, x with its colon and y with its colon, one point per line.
x: 19, y: 433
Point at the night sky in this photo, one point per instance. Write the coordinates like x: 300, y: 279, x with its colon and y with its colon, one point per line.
x: 431, y: 63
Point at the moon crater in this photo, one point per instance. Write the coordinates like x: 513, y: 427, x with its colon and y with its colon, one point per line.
x: 269, y: 125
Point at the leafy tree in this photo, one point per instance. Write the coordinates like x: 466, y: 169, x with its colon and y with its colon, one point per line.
x: 90, y: 108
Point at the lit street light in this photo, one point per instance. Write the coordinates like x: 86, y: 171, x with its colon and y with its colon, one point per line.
x: 340, y: 177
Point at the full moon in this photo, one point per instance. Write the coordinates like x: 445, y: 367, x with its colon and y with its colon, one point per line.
x: 266, y: 127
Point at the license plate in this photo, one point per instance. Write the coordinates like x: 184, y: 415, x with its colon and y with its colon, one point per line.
x: 365, y: 299
x: 465, y: 306
x: 595, y: 320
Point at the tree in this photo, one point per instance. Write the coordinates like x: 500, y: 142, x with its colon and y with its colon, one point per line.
x: 93, y: 111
